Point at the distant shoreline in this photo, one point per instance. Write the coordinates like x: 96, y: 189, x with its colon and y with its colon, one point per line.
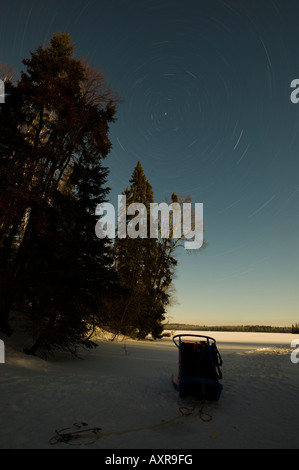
x: 240, y: 328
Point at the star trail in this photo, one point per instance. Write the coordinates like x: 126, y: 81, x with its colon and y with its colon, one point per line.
x: 205, y: 105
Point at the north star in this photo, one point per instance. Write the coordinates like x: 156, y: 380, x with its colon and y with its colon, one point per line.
x: 122, y: 460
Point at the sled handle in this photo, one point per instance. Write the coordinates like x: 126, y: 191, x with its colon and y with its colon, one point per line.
x: 174, y: 339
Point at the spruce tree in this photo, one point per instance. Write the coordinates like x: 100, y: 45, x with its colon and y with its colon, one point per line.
x: 144, y: 270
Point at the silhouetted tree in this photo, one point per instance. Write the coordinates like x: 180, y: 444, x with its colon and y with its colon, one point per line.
x: 144, y: 268
x: 53, y: 137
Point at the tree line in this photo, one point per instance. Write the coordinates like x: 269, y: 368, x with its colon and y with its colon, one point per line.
x: 64, y: 281
x: 241, y: 328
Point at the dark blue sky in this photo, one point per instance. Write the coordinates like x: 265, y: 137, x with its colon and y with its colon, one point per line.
x: 206, y: 108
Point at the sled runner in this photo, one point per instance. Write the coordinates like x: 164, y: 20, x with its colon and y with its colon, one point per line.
x: 199, y: 367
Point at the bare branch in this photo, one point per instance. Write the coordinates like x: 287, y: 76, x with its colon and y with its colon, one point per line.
x: 7, y: 72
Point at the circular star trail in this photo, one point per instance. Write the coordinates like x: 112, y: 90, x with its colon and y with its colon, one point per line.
x: 205, y: 105
x: 185, y: 91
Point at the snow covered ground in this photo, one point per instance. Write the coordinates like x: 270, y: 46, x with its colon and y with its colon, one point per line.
x: 125, y: 389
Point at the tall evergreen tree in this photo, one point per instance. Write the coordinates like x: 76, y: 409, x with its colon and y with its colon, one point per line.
x: 144, y: 269
x: 53, y: 137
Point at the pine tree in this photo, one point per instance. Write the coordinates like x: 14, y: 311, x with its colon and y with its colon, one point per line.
x: 54, y: 135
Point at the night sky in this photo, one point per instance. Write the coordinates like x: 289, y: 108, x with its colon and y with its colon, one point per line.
x: 206, y: 108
